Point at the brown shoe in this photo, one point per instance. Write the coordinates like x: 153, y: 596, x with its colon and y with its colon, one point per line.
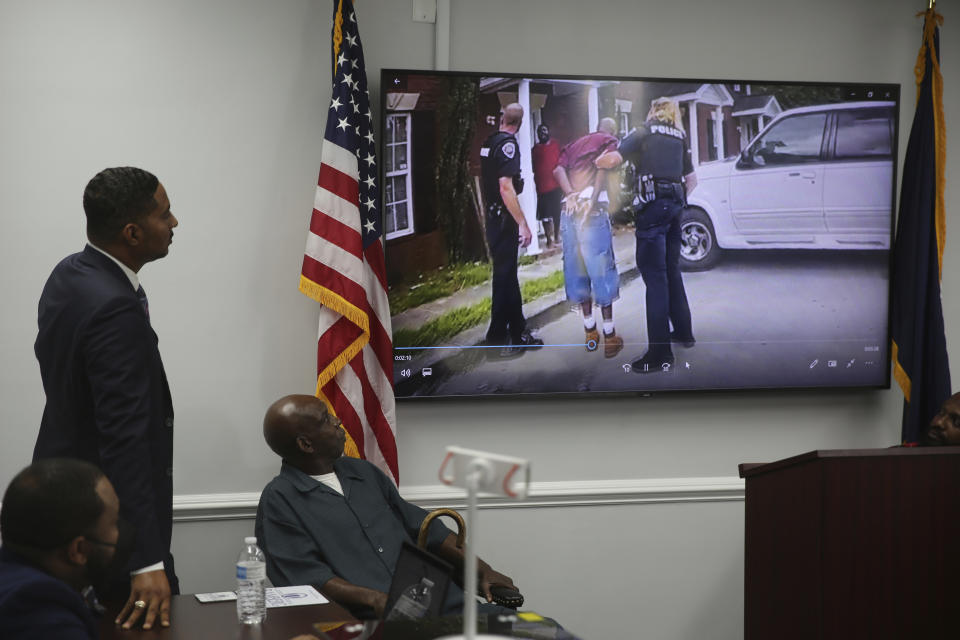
x: 592, y: 341
x: 612, y: 344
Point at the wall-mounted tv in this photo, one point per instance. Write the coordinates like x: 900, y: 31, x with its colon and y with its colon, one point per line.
x: 784, y: 240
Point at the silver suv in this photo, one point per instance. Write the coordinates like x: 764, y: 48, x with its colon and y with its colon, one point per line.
x: 817, y: 177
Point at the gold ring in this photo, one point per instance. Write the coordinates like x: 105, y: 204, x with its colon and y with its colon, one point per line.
x: 140, y: 604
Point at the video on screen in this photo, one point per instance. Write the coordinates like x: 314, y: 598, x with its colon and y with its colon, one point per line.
x: 574, y: 235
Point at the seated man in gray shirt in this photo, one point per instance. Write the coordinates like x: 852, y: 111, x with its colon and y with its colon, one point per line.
x: 339, y: 523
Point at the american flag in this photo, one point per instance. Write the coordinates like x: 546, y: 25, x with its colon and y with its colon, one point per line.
x: 343, y: 265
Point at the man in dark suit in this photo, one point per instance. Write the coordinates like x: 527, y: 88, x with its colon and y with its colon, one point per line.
x: 61, y: 533
x: 107, y: 396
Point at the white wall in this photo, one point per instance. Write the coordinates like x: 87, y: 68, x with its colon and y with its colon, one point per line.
x: 225, y: 101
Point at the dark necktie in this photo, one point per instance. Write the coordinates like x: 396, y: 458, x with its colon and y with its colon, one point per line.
x: 143, y: 300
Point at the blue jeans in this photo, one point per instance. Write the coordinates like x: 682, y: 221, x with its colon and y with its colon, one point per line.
x: 589, y: 268
x: 658, y: 260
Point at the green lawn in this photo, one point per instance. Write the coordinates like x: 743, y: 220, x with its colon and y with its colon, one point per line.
x: 441, y: 283
x: 454, y: 321
x: 437, y: 284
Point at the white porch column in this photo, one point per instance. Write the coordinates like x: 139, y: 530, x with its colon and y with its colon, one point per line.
x: 593, y: 109
x: 719, y: 133
x: 693, y: 133
x: 528, y: 199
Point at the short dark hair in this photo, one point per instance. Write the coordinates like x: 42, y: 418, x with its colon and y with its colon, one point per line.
x: 50, y: 503
x: 116, y: 197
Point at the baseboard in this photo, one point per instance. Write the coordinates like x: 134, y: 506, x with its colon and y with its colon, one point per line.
x: 577, y: 493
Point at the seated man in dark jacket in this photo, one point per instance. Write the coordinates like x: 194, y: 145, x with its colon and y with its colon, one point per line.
x: 59, y: 524
x: 339, y: 523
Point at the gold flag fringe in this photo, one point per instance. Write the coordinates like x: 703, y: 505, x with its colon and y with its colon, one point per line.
x: 350, y: 446
x: 340, y: 305
x: 899, y: 374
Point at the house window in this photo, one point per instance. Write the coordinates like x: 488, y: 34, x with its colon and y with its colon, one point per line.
x: 398, y: 196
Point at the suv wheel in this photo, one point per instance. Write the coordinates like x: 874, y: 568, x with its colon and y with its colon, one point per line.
x: 698, y: 241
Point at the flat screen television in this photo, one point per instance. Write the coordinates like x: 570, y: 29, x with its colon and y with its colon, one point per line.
x: 785, y: 240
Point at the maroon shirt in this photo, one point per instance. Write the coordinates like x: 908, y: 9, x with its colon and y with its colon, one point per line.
x: 545, y: 158
x: 578, y: 157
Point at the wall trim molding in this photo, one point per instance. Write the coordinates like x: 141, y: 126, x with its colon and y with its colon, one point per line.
x: 567, y: 493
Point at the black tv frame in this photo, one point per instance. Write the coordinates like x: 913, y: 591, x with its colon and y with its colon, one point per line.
x: 859, y: 89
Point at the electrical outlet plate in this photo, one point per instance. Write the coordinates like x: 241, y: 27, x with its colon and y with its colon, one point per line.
x: 424, y: 10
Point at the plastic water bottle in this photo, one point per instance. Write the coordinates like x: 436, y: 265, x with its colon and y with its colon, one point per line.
x: 251, y: 583
x: 414, y: 602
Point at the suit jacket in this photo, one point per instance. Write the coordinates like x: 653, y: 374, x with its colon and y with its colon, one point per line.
x: 37, y: 606
x: 107, y: 396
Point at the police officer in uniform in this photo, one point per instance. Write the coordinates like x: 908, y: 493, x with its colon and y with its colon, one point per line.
x: 507, y: 230
x: 661, y: 154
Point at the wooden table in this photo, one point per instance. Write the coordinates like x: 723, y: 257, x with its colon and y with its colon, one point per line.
x: 191, y: 620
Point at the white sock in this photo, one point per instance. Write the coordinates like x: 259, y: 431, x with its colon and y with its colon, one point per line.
x: 608, y: 327
x: 589, y: 323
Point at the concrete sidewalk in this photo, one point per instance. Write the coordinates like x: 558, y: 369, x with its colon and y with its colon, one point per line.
x: 549, y: 262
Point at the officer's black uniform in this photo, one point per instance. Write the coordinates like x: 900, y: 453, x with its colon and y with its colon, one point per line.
x: 500, y: 157
x: 662, y: 157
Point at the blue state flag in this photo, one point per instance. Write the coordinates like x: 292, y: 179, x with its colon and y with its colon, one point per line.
x: 919, y: 347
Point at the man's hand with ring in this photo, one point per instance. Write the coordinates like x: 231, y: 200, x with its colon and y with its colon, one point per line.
x: 149, y: 596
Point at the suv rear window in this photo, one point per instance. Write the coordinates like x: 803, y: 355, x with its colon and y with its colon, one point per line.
x: 864, y: 133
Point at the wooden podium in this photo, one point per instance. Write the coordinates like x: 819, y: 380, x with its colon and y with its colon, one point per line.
x: 853, y: 544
